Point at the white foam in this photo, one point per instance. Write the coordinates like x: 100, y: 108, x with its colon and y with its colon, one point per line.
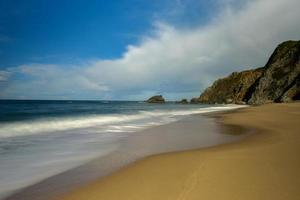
x: 36, y: 162
x: 150, y: 118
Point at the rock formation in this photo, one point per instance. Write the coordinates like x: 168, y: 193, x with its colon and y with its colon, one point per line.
x: 195, y: 100
x: 231, y: 89
x: 278, y: 81
x: 156, y: 99
x: 183, y: 101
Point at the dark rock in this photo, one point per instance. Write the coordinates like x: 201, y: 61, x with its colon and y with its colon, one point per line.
x: 194, y: 100
x: 183, y: 101
x: 231, y: 89
x: 156, y: 99
x: 293, y: 93
x: 278, y: 81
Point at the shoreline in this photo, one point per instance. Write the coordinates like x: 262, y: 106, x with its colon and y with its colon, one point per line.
x: 77, y: 177
x: 264, y: 165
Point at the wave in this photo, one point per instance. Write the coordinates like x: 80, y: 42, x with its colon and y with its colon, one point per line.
x: 105, y: 123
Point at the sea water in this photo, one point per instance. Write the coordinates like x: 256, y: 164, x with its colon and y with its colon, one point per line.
x: 39, y: 139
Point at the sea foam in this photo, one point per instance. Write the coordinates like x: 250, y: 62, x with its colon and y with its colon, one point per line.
x: 104, y: 122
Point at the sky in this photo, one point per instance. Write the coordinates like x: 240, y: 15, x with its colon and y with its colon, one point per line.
x: 133, y: 49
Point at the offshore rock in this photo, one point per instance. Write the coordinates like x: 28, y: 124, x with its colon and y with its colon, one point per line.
x: 183, y: 101
x: 156, y: 99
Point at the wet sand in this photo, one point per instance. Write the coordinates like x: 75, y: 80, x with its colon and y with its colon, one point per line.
x: 264, y: 165
x: 192, y: 132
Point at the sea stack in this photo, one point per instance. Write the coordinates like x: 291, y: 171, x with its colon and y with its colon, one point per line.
x: 156, y: 99
x: 183, y: 101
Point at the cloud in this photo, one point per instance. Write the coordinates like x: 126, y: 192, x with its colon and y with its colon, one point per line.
x: 177, y: 62
x: 40, y: 81
x: 4, y: 75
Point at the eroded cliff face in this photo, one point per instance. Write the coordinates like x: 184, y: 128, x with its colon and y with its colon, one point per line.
x: 278, y: 81
x: 231, y: 89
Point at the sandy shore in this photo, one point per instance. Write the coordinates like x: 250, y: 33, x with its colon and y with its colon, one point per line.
x: 265, y: 165
x: 176, y: 136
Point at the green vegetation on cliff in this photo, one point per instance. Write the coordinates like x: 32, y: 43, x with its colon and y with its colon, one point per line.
x: 231, y: 89
x: 278, y: 81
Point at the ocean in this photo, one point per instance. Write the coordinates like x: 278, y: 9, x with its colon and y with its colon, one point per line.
x: 39, y: 138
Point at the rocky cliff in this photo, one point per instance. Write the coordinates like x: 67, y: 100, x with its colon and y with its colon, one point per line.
x: 231, y: 89
x: 280, y: 80
x: 277, y: 81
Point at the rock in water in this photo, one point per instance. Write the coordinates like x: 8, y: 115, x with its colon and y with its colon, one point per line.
x: 194, y: 100
x: 156, y: 99
x: 183, y: 101
x: 280, y: 80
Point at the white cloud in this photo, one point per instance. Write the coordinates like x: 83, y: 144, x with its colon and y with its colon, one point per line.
x: 4, y: 75
x: 178, y: 61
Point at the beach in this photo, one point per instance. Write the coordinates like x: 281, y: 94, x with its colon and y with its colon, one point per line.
x: 264, y: 165
x: 43, y: 157
x: 150, y: 100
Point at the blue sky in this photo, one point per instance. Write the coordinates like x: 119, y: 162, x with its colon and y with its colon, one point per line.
x: 66, y: 31
x: 132, y: 49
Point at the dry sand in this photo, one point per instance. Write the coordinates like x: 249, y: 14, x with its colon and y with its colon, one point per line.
x: 265, y: 165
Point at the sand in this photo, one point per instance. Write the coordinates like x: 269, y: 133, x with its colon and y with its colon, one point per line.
x: 175, y: 136
x: 265, y: 165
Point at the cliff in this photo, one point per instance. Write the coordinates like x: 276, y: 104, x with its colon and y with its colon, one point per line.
x: 231, y: 89
x: 277, y: 81
x: 280, y: 80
